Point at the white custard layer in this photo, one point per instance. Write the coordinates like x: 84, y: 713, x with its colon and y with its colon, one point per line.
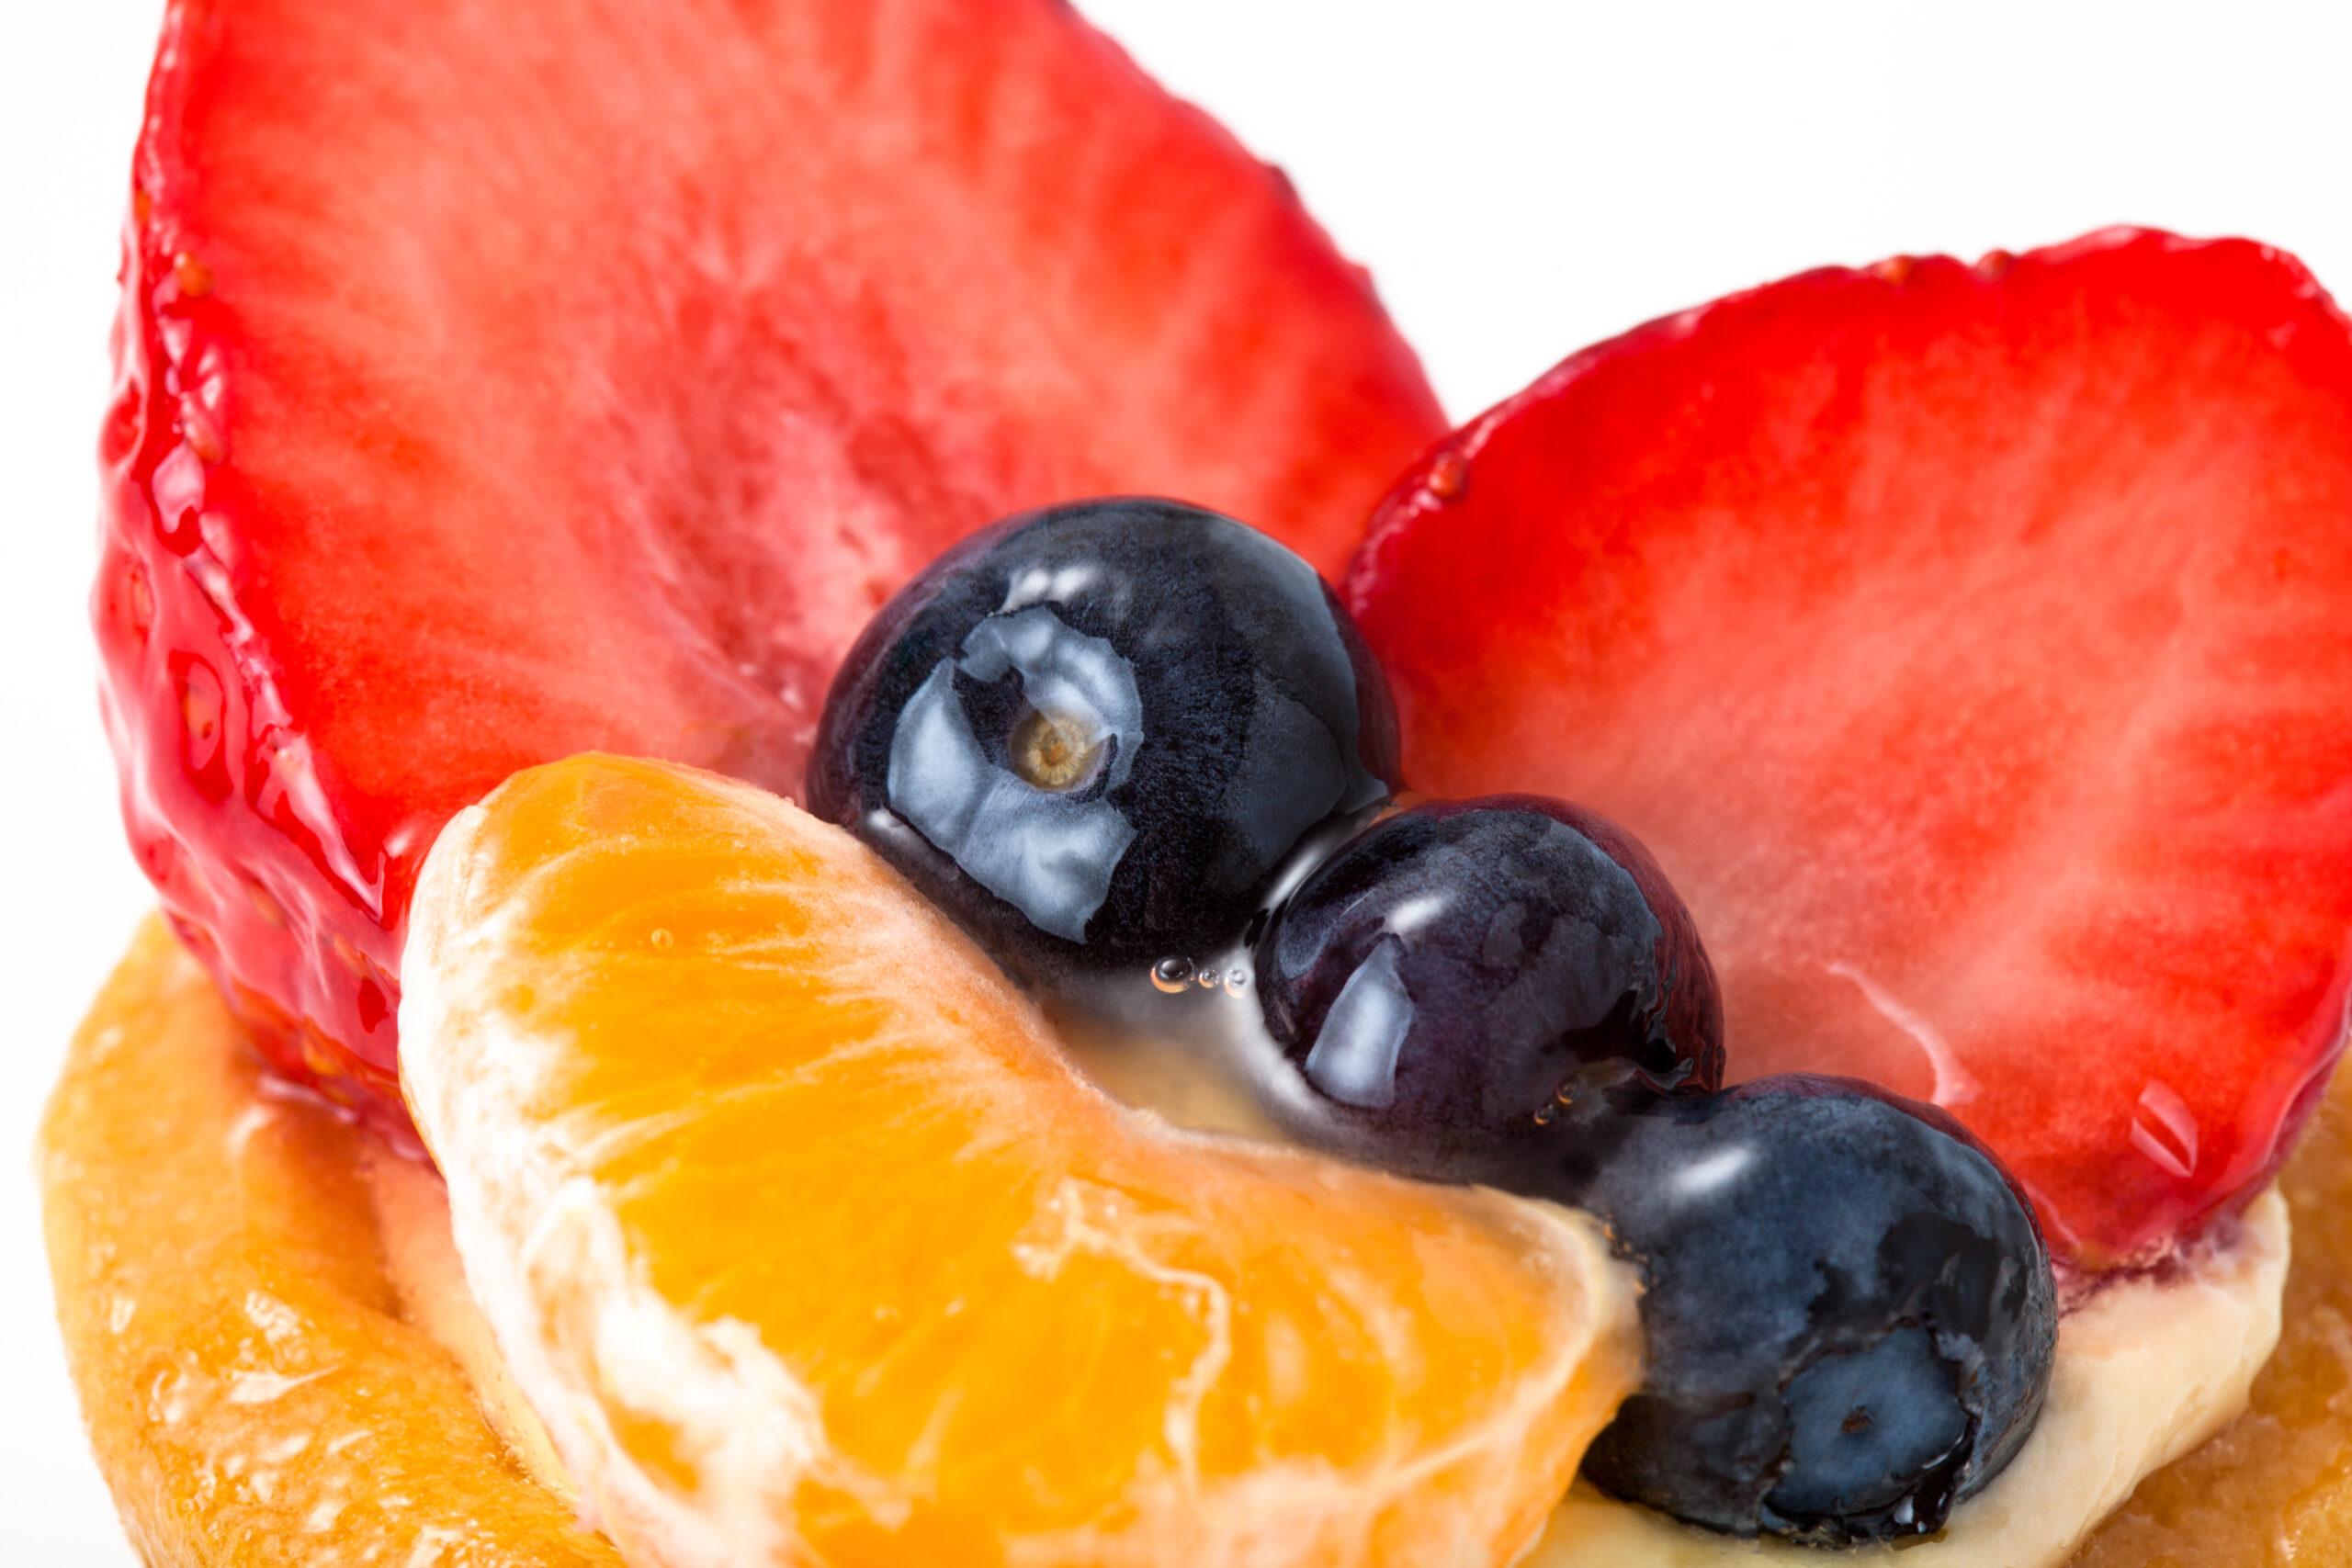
x: 2147, y: 1371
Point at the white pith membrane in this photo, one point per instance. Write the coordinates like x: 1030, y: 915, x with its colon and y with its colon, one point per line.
x: 717, y: 1377
x: 2147, y: 1368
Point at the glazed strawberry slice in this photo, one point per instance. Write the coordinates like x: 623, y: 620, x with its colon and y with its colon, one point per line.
x: 502, y: 381
x: 1973, y: 648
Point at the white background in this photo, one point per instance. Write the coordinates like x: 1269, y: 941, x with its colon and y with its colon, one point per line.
x: 1524, y: 176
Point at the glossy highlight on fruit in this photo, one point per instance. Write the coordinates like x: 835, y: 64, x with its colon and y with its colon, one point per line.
x: 496, y: 382
x: 811, y: 1246
x: 1095, y: 733
x: 1849, y: 1316
x: 1972, y: 645
x: 1443, y: 974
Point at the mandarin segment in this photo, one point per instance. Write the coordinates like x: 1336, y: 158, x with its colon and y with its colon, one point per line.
x: 809, y: 1246
x: 252, y: 1388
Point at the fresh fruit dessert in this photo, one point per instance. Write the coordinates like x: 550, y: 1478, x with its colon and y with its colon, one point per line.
x: 940, y: 1030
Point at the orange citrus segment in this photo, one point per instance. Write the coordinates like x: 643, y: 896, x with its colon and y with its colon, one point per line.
x: 255, y: 1389
x: 809, y: 1247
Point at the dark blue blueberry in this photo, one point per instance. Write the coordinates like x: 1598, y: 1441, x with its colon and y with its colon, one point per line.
x: 1093, y: 733
x: 1849, y: 1313
x: 1442, y: 976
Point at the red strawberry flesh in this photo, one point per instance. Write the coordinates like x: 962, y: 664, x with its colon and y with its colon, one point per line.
x: 1973, y: 648
x: 502, y: 381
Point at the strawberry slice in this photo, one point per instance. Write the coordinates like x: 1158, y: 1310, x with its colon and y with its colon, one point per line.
x: 502, y: 381
x: 1973, y: 648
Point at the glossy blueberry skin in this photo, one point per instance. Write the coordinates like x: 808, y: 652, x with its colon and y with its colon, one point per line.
x: 1226, y: 705
x: 1850, y: 1315
x: 1441, y: 975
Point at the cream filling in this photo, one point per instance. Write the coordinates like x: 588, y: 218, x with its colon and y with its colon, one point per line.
x: 2147, y: 1371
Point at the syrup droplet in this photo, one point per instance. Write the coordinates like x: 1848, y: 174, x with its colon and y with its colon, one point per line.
x: 2163, y: 1128
x: 1172, y: 975
x: 1449, y: 476
x: 1209, y: 978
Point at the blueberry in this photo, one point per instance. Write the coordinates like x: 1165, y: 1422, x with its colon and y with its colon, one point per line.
x: 1850, y: 1313
x: 1095, y: 733
x: 1442, y: 976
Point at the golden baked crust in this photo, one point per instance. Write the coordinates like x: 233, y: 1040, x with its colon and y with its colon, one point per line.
x: 250, y: 1387
x: 255, y: 1396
